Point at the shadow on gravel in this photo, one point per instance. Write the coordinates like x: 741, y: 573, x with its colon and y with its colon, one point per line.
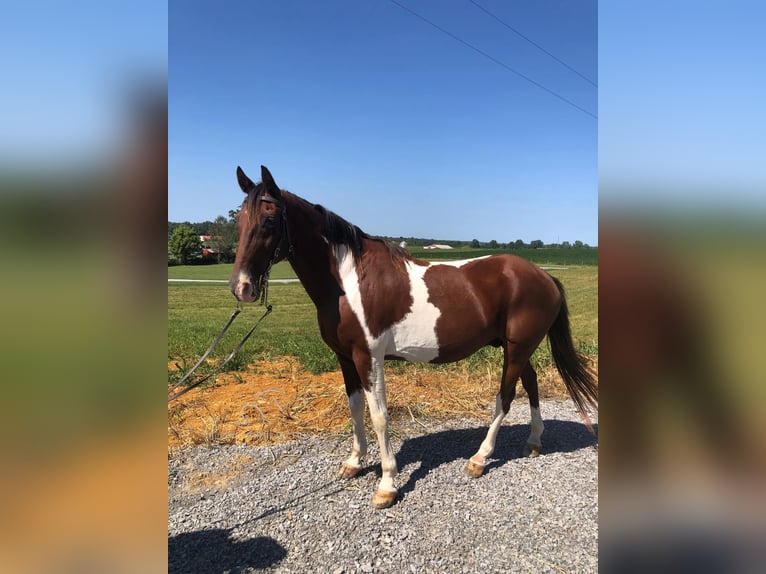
x: 434, y: 450
x: 215, y: 552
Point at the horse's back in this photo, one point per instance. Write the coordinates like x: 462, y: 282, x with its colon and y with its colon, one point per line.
x: 488, y: 300
x: 503, y: 279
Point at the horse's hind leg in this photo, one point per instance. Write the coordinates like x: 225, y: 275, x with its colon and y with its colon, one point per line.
x: 529, y: 380
x: 353, y: 463
x: 511, y: 370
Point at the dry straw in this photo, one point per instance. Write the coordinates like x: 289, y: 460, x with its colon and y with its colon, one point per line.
x: 277, y: 401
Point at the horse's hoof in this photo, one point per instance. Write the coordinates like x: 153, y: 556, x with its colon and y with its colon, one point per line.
x: 473, y: 470
x: 348, y: 471
x: 383, y: 499
x: 531, y: 450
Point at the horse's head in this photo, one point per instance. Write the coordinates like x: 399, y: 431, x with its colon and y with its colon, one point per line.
x: 262, y: 222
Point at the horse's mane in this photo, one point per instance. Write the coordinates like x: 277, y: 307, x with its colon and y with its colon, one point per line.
x: 340, y: 232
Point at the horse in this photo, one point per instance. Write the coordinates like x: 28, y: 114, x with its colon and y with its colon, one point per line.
x: 376, y: 302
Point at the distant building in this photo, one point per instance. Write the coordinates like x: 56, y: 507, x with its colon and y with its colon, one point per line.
x: 437, y: 246
x: 207, y: 251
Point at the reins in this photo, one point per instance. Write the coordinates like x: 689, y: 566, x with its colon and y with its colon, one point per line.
x: 210, y: 348
x: 264, y: 301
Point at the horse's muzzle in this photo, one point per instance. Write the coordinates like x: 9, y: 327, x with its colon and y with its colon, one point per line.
x: 243, y: 288
x: 246, y: 290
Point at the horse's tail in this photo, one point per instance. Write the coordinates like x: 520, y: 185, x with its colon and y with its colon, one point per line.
x: 570, y: 364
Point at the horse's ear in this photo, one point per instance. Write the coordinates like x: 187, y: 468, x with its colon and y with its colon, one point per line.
x: 268, y: 183
x: 244, y: 182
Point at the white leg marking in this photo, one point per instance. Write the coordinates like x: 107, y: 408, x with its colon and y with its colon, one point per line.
x: 488, y: 445
x: 359, y: 448
x: 376, y: 401
x: 537, y: 428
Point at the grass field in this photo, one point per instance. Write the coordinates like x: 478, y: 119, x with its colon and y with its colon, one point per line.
x: 282, y: 270
x: 196, y: 312
x: 219, y: 271
x: 540, y: 256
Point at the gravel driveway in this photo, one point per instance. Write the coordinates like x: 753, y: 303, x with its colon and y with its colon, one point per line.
x: 282, y: 509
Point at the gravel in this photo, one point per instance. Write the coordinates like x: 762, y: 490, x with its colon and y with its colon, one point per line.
x: 282, y: 508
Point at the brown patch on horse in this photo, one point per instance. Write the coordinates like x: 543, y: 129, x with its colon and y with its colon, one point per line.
x: 499, y: 298
x: 382, y: 275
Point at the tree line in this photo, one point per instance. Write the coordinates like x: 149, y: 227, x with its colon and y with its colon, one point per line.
x: 185, y: 246
x: 492, y: 244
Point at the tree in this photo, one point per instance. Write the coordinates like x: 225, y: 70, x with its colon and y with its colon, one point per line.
x: 202, y: 228
x: 224, y: 237
x: 493, y: 244
x: 518, y: 244
x: 536, y: 244
x: 184, y: 243
x: 475, y: 243
x: 566, y: 245
x: 578, y: 244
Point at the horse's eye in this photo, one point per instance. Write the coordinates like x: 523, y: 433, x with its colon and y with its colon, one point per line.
x: 268, y: 223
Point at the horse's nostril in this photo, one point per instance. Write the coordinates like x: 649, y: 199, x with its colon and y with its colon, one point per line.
x: 244, y: 291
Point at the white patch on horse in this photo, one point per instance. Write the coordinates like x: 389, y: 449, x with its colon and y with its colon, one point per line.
x: 414, y: 337
x: 350, y: 280
x: 460, y: 262
x: 537, y: 428
x: 359, y: 449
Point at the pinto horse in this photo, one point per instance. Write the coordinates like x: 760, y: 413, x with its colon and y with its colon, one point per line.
x: 375, y: 302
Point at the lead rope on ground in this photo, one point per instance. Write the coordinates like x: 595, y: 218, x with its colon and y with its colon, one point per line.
x: 220, y: 367
x: 212, y: 346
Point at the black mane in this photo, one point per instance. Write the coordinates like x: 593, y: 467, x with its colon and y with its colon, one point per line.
x: 341, y: 232
x: 252, y: 197
x: 338, y: 231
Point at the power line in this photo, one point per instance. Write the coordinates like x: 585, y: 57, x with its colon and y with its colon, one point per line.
x: 495, y: 60
x: 535, y: 44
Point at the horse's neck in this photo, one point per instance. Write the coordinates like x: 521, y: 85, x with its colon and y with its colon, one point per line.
x: 311, y: 259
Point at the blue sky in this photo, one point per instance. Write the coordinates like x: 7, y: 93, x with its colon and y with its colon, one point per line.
x: 682, y: 123
x: 396, y: 126
x: 387, y: 121
x: 70, y: 71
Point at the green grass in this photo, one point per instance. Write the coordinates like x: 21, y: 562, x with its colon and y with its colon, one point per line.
x: 197, y: 312
x: 217, y: 271
x: 538, y: 256
x: 282, y: 270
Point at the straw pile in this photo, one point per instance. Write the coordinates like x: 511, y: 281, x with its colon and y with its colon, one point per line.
x: 277, y: 401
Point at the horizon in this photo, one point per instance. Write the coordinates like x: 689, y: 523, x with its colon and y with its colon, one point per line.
x: 430, y: 239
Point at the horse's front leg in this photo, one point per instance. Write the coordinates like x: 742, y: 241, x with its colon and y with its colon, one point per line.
x: 353, y: 383
x: 375, y: 392
x: 353, y: 463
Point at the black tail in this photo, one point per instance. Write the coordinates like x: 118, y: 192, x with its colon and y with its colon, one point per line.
x: 571, y: 366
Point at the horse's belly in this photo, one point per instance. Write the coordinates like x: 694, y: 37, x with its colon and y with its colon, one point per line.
x: 413, y: 342
x: 416, y: 349
x: 415, y: 339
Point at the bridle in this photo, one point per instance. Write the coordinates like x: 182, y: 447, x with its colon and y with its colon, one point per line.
x: 275, y: 257
x: 264, y: 301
